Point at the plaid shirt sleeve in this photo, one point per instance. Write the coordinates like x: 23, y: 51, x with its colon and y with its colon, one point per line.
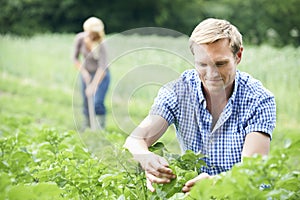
x: 263, y: 117
x: 165, y: 104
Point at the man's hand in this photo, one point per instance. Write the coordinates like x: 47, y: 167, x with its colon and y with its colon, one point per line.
x: 146, y: 134
x: 188, y: 185
x: 156, y: 168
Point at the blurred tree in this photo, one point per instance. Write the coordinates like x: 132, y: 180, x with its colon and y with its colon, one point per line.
x: 284, y: 22
x: 260, y: 21
x: 273, y: 21
x: 180, y: 15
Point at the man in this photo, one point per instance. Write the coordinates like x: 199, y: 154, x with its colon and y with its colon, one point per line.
x: 216, y: 109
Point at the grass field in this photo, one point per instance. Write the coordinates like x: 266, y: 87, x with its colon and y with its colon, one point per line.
x: 38, y: 79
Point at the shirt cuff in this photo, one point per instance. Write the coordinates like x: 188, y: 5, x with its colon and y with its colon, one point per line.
x: 265, y: 128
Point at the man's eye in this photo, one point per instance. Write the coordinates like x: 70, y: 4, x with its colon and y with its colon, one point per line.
x: 220, y: 64
x: 202, y: 64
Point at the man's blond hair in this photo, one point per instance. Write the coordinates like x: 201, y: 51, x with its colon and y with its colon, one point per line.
x: 211, y: 30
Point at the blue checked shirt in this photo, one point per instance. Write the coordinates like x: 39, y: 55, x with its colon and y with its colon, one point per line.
x: 251, y: 108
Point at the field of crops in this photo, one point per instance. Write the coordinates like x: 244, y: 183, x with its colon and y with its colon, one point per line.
x: 43, y: 156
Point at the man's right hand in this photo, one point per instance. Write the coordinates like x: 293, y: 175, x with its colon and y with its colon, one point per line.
x: 146, y: 134
x: 156, y: 168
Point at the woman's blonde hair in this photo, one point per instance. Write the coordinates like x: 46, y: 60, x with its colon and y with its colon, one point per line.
x: 94, y: 25
x: 211, y: 30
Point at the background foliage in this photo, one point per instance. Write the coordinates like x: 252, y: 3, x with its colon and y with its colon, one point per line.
x: 273, y: 21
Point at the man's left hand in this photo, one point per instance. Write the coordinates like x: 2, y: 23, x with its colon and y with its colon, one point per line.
x: 188, y: 185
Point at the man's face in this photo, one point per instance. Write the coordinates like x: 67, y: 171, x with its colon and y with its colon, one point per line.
x: 216, y: 65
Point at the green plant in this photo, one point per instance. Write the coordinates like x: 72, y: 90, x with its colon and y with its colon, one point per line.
x: 255, y: 178
x: 185, y: 167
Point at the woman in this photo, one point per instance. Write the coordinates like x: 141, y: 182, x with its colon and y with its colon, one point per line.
x: 95, y: 76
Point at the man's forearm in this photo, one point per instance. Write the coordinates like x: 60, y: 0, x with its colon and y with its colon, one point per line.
x: 136, y: 146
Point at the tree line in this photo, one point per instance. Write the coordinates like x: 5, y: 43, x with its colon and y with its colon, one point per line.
x: 260, y: 21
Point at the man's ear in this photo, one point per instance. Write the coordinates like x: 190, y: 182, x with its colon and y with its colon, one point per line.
x: 239, y: 55
x: 192, y: 47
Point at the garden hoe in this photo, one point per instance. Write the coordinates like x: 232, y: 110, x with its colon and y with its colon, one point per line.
x: 91, y: 112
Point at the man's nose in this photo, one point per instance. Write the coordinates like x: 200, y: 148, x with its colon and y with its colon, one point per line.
x: 212, y: 71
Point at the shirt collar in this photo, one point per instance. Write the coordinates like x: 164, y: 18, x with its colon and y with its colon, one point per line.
x: 201, y: 95
x: 236, y: 82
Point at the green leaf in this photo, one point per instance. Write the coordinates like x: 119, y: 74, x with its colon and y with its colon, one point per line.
x: 158, y: 148
x: 5, y: 183
x: 40, y: 191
